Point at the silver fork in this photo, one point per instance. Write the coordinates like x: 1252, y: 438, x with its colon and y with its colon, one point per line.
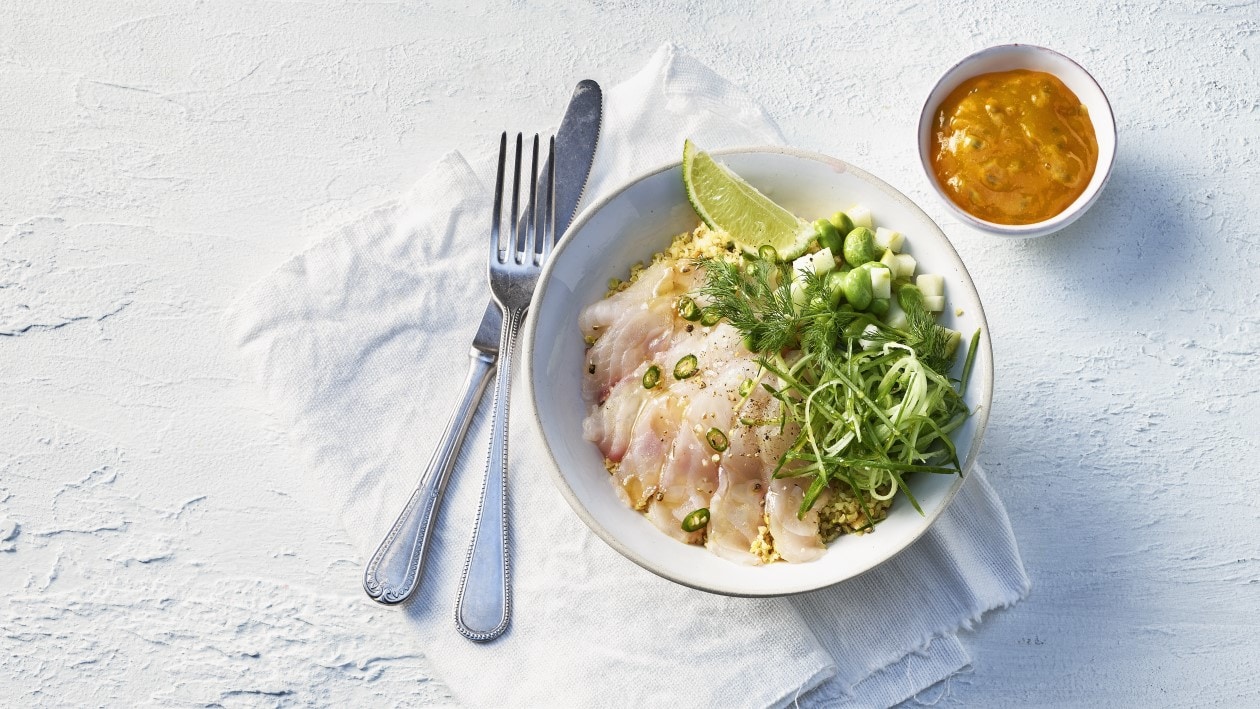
x: 484, y: 606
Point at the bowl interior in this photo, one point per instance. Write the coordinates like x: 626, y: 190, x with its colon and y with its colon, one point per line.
x: 1023, y: 56
x: 641, y: 219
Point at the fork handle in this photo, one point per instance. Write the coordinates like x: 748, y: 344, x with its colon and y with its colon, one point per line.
x: 484, y: 605
x: 394, y: 571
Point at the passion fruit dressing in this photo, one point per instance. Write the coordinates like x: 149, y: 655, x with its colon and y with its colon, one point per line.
x: 1013, y: 147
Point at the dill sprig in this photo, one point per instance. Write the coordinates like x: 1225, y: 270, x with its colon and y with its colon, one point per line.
x: 923, y: 334
x: 756, y: 298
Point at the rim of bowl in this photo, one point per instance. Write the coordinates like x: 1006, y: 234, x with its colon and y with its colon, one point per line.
x: 1046, y: 226
x: 981, y: 412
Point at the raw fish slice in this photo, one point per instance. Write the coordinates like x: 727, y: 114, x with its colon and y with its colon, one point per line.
x: 634, y: 338
x: 738, y: 507
x: 687, y: 483
x: 713, y: 348
x: 609, y: 426
x: 691, y: 477
x: 598, y: 317
x: 795, y: 539
x: 638, y: 474
x: 633, y: 326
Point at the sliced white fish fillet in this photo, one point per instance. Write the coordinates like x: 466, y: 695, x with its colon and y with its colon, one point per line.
x: 633, y: 326
x: 796, y: 540
x: 736, y: 510
x: 665, y: 464
x: 738, y: 507
x: 609, y: 425
x: 648, y: 451
x: 692, y: 475
x: 687, y: 483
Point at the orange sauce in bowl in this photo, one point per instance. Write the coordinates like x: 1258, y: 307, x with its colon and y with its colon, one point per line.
x: 1013, y: 147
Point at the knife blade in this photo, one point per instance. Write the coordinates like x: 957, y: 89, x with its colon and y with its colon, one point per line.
x: 394, y: 571
x: 576, y: 141
x: 575, y: 150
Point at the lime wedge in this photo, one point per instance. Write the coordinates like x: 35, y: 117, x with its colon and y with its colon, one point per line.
x: 731, y: 206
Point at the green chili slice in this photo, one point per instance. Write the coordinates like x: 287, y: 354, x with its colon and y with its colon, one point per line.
x: 717, y: 440
x: 696, y: 520
x: 688, y: 310
x: 709, y: 317
x: 746, y: 388
x: 686, y: 367
x: 651, y: 377
x: 768, y: 253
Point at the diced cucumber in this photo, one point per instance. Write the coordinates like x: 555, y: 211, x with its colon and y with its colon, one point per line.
x: 881, y: 283
x: 931, y: 284
x: 889, y: 259
x: 860, y: 215
x: 798, y: 293
x: 868, y: 331
x: 934, y: 303
x: 905, y: 266
x: 952, y: 338
x: 889, y: 239
x: 896, y: 317
x: 820, y: 262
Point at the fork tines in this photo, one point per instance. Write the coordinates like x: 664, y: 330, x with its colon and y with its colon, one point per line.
x: 532, y: 236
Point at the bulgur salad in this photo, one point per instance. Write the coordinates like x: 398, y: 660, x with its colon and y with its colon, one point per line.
x: 762, y: 394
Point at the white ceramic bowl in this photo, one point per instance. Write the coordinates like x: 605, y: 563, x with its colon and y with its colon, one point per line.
x: 631, y: 224
x: 1008, y: 57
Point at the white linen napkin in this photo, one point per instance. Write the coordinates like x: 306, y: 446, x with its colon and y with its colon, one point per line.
x: 360, y: 344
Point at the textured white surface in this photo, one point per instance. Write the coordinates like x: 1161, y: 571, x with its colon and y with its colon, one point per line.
x: 156, y: 545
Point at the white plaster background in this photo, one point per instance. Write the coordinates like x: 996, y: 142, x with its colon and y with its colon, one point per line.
x: 157, y: 542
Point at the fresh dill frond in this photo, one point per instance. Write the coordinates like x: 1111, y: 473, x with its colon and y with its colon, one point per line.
x: 820, y: 326
x: 756, y: 298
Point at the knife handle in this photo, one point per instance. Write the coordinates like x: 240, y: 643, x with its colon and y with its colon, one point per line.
x: 394, y: 571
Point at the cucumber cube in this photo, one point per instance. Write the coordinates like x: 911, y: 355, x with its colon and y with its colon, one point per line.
x: 798, y: 293
x: 881, y: 283
x: 889, y: 239
x: 931, y: 284
x: 905, y: 265
x: 868, y: 331
x: 860, y: 215
x: 819, y: 263
x: 896, y: 317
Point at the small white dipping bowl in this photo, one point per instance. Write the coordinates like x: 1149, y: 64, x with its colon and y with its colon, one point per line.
x: 640, y: 219
x: 1008, y: 57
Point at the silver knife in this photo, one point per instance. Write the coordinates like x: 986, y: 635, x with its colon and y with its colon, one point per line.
x: 394, y: 571
x: 575, y: 150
